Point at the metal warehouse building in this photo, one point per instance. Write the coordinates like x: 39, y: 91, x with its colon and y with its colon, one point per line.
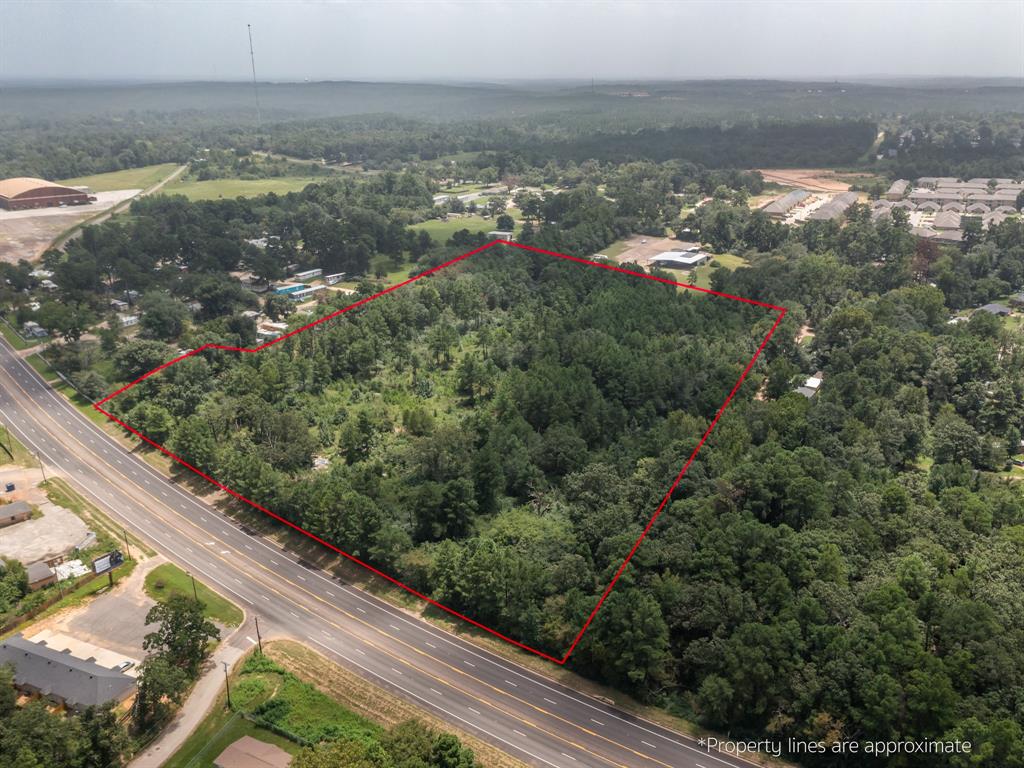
x: 23, y: 192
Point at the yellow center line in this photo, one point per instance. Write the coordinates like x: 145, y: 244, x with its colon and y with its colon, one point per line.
x: 280, y: 578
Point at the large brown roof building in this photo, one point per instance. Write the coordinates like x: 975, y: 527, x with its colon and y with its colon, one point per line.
x: 23, y: 192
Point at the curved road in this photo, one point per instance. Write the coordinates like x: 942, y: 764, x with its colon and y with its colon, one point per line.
x: 522, y: 712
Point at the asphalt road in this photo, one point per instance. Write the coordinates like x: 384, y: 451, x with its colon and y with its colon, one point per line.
x: 520, y: 711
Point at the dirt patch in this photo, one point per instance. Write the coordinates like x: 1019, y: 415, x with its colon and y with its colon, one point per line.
x: 814, y: 179
x: 641, y: 249
x: 26, y: 481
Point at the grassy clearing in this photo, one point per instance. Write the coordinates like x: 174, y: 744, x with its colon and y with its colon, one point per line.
x: 262, y: 688
x: 615, y: 249
x: 130, y: 178
x: 107, y: 531
x: 366, y: 699
x: 216, y: 189
x: 13, y: 452
x: 729, y: 260
x: 382, y: 264
x: 443, y: 230
x: 221, y: 728
x: 703, y: 274
x: 42, y: 368
x: 458, y: 157
x: 168, y: 579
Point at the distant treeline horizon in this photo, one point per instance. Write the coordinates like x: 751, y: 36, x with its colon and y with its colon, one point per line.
x: 629, y: 100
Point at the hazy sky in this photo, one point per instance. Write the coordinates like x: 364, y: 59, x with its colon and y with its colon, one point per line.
x: 181, y: 39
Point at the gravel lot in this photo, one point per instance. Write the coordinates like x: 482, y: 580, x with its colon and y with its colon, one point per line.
x: 26, y: 234
x: 52, y: 534
x: 114, y: 620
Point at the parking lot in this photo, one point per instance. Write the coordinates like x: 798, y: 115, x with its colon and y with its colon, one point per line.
x: 53, y: 533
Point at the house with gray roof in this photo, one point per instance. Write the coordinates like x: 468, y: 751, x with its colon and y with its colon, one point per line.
x: 946, y: 220
x: 995, y: 308
x: 834, y: 208
x: 996, y: 198
x: 40, y: 575
x: 15, y: 512
x: 62, y: 678
x: 781, y: 206
x: 897, y: 190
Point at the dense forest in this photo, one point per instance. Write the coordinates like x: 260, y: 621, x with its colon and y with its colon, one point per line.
x: 94, y: 146
x: 466, y: 420
x: 926, y: 145
x: 842, y: 566
x: 847, y: 566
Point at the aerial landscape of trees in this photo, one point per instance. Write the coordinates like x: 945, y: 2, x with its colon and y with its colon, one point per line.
x: 497, y: 435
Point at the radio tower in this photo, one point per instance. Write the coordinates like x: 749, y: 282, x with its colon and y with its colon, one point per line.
x: 255, y: 89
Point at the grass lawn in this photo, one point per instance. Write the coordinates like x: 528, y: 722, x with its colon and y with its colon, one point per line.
x: 729, y: 260
x: 725, y: 260
x: 263, y: 688
x: 615, y: 249
x: 458, y: 157
x: 110, y: 535
x: 42, y: 368
x: 443, y: 230
x: 13, y: 451
x: 216, y: 189
x: 461, y: 189
x: 168, y: 579
x: 131, y: 178
x: 221, y: 728
x: 343, y: 687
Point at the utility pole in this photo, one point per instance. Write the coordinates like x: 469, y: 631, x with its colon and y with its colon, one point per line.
x: 259, y: 640
x: 9, y: 447
x: 127, y: 549
x: 195, y: 592
x: 227, y: 683
x: 41, y: 466
x: 255, y: 88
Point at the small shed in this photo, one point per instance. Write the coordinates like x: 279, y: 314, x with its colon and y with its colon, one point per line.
x: 39, y: 575
x: 15, y: 512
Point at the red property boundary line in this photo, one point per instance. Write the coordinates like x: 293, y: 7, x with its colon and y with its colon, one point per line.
x: 664, y: 501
